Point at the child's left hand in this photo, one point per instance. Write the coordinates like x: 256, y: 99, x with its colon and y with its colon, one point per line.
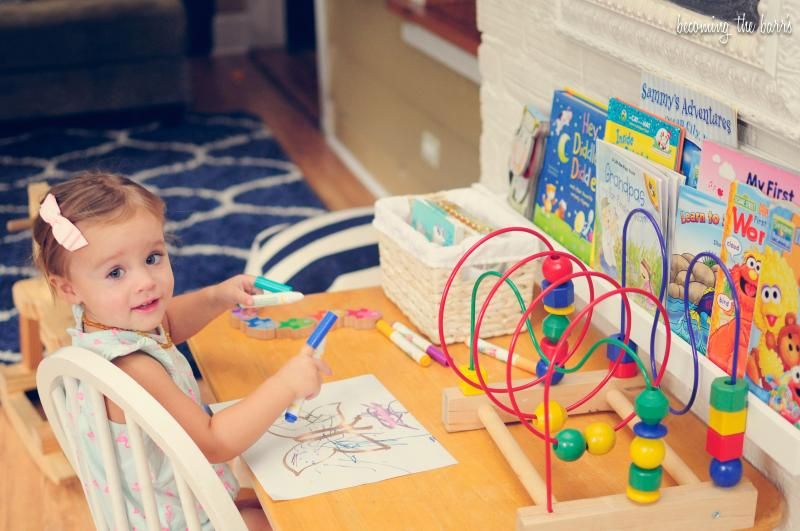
x: 236, y: 290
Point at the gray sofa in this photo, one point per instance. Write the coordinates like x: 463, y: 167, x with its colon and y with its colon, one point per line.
x: 66, y: 57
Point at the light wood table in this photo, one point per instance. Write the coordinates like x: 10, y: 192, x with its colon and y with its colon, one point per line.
x: 481, y: 491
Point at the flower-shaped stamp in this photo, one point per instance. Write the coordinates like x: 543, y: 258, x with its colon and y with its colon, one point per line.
x: 296, y: 328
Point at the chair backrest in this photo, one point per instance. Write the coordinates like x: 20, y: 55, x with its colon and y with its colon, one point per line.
x: 58, y: 378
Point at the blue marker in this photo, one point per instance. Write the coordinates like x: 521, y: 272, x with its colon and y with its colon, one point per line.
x: 270, y: 285
x: 315, y: 347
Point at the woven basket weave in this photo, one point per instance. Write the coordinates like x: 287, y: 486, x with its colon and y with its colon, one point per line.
x: 416, y: 289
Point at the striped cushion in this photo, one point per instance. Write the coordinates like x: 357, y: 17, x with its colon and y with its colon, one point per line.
x: 330, y: 252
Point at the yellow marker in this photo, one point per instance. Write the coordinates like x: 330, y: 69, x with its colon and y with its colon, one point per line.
x: 403, y: 344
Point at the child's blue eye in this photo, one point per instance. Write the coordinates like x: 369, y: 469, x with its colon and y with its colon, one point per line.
x: 153, y: 259
x: 116, y: 273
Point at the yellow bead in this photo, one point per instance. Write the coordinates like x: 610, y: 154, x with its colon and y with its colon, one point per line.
x: 726, y: 422
x: 647, y: 453
x: 640, y: 496
x: 558, y: 416
x: 472, y: 375
x: 600, y: 438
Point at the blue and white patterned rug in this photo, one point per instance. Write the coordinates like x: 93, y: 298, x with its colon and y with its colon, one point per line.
x: 224, y: 178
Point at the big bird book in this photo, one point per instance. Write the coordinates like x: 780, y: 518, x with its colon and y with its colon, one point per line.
x: 645, y: 134
x: 565, y: 197
x: 624, y: 183
x: 721, y: 165
x: 698, y: 228
x: 773, y: 366
x: 743, y: 235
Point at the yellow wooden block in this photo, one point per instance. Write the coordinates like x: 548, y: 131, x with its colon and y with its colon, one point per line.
x: 726, y: 422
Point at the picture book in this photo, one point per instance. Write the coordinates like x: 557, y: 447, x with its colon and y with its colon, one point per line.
x: 701, y: 116
x: 525, y: 160
x: 698, y: 228
x: 721, y: 165
x: 435, y: 224
x: 743, y: 235
x: 773, y: 367
x: 565, y: 195
x: 644, y: 133
x: 625, y: 183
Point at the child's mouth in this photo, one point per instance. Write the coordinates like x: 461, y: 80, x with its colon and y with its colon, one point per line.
x: 149, y: 306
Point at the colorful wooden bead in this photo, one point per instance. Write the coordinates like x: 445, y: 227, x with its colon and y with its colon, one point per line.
x: 557, y: 413
x: 725, y: 473
x: 640, y: 496
x: 724, y: 447
x: 650, y: 431
x: 472, y: 376
x: 541, y: 370
x: 727, y: 422
x: 569, y: 445
x: 555, y: 267
x: 361, y: 318
x: 600, y: 438
x: 651, y: 405
x: 614, y: 351
x: 647, y: 453
x: 561, y: 300
x: 645, y: 479
x: 549, y: 350
x: 295, y: 328
x: 553, y: 326
x: 728, y: 397
x: 261, y: 328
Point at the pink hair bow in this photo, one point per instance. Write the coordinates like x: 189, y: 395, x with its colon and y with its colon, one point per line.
x: 64, y: 231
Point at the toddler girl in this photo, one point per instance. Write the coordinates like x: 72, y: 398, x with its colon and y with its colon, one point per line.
x: 102, y: 249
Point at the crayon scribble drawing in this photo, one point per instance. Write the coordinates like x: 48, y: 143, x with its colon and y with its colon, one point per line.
x: 354, y: 432
x: 326, y: 433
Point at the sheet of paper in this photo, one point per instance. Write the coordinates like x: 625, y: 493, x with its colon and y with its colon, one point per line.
x: 354, y: 432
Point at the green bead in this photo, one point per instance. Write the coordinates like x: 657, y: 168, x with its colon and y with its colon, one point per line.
x: 647, y: 480
x: 729, y: 397
x: 553, y: 326
x: 569, y: 445
x: 652, y: 406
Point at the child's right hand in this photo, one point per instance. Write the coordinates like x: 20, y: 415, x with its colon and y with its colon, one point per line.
x: 303, y: 375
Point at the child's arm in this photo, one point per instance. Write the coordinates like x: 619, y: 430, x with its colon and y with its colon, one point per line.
x: 187, y: 314
x: 231, y: 431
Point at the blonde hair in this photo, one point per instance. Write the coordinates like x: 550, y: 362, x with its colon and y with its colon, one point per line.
x: 90, y: 196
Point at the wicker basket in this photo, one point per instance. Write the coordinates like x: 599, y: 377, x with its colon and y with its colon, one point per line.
x: 414, y: 271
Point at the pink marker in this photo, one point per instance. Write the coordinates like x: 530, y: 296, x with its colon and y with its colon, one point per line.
x: 435, y: 354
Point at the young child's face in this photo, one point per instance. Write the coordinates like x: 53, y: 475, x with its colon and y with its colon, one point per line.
x: 123, y: 277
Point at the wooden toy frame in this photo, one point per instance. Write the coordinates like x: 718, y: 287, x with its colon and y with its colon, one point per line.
x: 691, y: 504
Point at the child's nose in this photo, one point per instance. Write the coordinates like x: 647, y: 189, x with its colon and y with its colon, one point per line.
x: 145, y: 281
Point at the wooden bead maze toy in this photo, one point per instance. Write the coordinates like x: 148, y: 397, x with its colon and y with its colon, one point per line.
x: 727, y: 501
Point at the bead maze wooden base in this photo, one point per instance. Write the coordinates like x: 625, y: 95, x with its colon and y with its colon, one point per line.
x: 692, y: 504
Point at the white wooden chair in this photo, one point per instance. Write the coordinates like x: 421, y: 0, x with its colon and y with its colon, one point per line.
x: 57, y: 381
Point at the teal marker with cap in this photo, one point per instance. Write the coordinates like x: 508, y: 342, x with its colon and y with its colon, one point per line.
x: 270, y: 285
x: 315, y: 347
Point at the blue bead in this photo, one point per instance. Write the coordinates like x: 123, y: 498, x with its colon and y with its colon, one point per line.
x: 650, y: 431
x: 725, y: 473
x: 561, y: 297
x: 613, y: 351
x: 541, y: 370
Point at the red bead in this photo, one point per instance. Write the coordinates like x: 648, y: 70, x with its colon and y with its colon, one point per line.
x: 549, y: 350
x: 556, y: 267
x: 625, y: 370
x: 724, y: 447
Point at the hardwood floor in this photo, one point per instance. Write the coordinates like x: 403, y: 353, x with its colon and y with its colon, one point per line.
x: 28, y: 501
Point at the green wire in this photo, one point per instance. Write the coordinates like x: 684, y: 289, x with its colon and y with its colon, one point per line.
x: 521, y: 302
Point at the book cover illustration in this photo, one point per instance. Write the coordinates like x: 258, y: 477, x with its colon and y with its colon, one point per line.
x: 702, y: 118
x: 774, y: 363
x: 623, y: 184
x: 743, y: 235
x: 721, y: 165
x: 643, y: 133
x: 565, y: 196
x: 525, y: 160
x: 434, y: 223
x: 698, y: 228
